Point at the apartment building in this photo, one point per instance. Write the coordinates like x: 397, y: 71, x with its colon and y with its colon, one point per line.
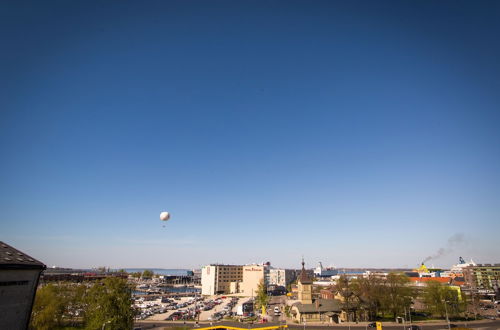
x: 281, y: 277
x: 482, y: 276
x: 220, y: 279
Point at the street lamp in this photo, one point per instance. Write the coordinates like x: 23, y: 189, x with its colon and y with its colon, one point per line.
x: 409, y: 309
x: 404, y: 318
x: 446, y: 311
x: 104, y: 324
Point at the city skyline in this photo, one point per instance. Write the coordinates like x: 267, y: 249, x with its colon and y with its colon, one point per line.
x: 356, y: 134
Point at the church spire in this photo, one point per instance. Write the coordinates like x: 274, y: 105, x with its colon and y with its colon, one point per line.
x: 303, y: 277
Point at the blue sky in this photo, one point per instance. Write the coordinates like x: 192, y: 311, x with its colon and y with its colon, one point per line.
x: 356, y: 133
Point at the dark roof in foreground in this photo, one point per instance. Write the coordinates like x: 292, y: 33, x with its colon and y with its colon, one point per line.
x: 11, y: 258
x: 320, y: 305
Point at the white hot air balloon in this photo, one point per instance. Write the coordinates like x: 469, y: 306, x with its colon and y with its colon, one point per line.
x: 164, y: 216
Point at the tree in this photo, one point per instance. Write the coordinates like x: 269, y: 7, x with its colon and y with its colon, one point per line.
x: 147, y: 273
x: 109, y: 303
x: 397, y: 294
x: 441, y: 300
x: 350, y: 302
x: 262, y: 299
x: 48, y: 308
x: 369, y: 292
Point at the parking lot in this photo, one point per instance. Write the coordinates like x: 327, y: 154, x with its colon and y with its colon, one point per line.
x: 186, y: 308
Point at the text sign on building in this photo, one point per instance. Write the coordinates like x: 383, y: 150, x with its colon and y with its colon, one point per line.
x: 253, y: 269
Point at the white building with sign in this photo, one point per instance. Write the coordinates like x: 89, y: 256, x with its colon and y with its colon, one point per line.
x: 220, y: 279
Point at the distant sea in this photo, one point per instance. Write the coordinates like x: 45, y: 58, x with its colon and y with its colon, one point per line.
x: 160, y: 271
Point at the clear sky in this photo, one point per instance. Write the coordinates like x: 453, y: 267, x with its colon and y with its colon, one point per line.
x: 356, y: 133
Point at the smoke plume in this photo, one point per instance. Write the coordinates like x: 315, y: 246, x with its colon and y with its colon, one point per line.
x: 452, y: 243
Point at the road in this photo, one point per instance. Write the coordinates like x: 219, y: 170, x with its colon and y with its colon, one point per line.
x: 489, y: 325
x: 479, y: 325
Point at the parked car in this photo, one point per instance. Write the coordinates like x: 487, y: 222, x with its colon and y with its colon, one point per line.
x: 413, y: 327
x: 372, y: 325
x: 174, y: 317
x: 215, y: 317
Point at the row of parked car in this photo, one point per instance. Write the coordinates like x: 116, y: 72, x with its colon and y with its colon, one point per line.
x: 227, y: 311
x: 192, y: 312
x: 147, y: 307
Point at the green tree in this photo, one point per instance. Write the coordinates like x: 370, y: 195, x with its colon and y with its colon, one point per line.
x: 441, y: 299
x: 397, y: 294
x: 350, y: 302
x: 109, y: 303
x: 262, y: 299
x: 48, y: 309
x: 369, y: 290
x: 147, y: 273
x: 433, y: 298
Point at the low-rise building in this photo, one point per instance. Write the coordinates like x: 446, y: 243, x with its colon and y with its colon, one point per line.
x: 317, y: 310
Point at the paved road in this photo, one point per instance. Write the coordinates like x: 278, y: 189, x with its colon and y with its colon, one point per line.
x: 493, y: 325
x: 484, y: 325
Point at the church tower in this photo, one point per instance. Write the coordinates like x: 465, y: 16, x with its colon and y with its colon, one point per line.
x: 304, y: 286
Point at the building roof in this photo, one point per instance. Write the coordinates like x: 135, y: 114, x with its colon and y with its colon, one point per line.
x: 303, y: 277
x: 11, y: 258
x: 448, y: 280
x: 320, y: 305
x: 430, y: 279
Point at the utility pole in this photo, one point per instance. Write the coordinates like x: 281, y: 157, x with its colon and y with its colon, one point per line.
x: 404, y: 318
x: 446, y: 311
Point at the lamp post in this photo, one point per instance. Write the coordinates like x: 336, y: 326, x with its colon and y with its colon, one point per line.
x: 446, y: 311
x: 404, y: 318
x: 409, y: 314
x: 104, y: 324
x: 409, y: 308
